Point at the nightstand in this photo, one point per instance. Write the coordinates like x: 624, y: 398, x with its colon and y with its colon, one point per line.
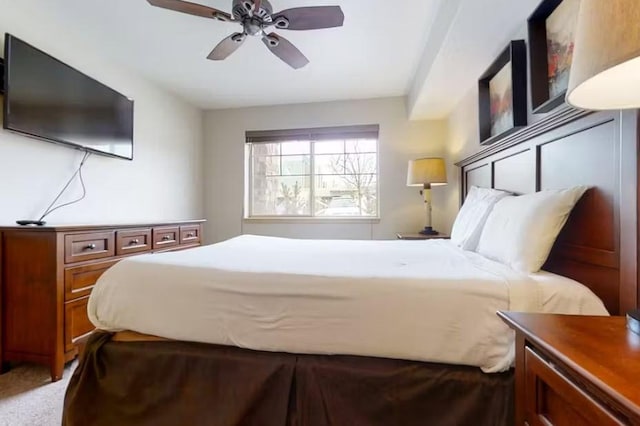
x: 422, y: 237
x: 575, y: 370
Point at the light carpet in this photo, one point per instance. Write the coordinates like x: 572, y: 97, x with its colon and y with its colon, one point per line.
x: 28, y: 398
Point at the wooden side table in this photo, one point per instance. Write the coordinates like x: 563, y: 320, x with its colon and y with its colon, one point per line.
x: 575, y: 370
x: 422, y: 237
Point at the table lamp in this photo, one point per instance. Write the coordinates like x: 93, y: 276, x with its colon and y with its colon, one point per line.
x: 605, y: 73
x: 427, y: 172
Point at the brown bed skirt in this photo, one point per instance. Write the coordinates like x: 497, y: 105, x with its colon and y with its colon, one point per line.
x: 180, y: 383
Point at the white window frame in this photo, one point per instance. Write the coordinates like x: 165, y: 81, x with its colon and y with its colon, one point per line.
x: 341, y: 133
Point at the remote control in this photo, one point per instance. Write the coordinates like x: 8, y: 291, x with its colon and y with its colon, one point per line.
x: 31, y: 222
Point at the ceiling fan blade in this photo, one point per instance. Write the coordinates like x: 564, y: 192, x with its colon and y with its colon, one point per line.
x: 191, y: 9
x: 283, y: 49
x: 309, y: 18
x: 256, y: 5
x: 227, y: 46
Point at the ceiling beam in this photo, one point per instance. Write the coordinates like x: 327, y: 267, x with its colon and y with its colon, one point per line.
x: 436, y: 40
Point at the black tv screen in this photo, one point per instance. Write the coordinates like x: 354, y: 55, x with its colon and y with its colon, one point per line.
x: 49, y: 100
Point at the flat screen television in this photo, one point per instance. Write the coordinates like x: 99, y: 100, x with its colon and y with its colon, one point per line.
x: 49, y: 100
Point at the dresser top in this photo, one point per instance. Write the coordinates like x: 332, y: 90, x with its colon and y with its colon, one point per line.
x: 601, y: 349
x: 93, y: 227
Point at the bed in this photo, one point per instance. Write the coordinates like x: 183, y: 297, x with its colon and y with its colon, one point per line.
x: 309, y: 333
x: 366, y: 298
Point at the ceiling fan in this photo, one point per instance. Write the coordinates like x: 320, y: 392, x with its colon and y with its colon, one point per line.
x: 256, y: 17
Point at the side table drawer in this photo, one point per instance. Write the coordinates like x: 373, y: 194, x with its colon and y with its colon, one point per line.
x: 79, y: 280
x: 81, y: 247
x: 554, y: 399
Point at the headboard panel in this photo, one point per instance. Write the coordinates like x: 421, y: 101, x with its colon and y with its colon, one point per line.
x: 514, y: 173
x: 480, y: 176
x: 598, y: 245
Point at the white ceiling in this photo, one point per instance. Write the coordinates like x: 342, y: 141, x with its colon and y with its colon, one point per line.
x: 373, y: 55
x: 430, y: 50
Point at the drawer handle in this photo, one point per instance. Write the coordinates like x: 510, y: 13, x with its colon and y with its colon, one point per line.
x: 190, y: 235
x: 166, y: 238
x: 89, y: 247
x: 134, y: 242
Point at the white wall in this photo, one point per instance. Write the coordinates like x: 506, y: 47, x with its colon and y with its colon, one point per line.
x: 164, y: 182
x: 463, y: 130
x: 463, y: 141
x: 400, y: 140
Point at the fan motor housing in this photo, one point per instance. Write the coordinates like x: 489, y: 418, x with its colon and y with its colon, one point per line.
x: 253, y: 21
x: 242, y: 9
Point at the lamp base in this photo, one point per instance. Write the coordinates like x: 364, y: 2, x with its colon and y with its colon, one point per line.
x: 429, y: 231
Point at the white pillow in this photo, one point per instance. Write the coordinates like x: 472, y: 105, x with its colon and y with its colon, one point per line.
x: 473, y: 214
x: 520, y: 231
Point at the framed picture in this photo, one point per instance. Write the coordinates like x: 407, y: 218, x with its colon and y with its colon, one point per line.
x: 503, y: 94
x: 551, y: 40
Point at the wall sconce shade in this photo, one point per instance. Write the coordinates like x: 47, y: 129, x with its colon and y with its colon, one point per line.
x: 605, y: 73
x: 427, y: 171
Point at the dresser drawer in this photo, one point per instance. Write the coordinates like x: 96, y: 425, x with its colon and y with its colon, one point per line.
x: 166, y: 237
x: 81, y: 247
x: 79, y: 280
x: 133, y: 241
x: 76, y: 322
x: 554, y: 399
x: 190, y: 234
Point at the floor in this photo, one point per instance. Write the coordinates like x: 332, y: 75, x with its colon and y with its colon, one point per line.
x: 28, y: 398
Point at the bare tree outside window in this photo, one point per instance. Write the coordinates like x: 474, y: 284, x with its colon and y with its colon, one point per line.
x: 358, y: 170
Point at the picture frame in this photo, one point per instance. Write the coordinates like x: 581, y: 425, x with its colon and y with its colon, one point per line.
x: 502, y: 94
x: 551, y: 33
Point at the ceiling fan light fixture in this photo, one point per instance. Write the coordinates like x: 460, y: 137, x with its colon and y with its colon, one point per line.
x: 255, y: 16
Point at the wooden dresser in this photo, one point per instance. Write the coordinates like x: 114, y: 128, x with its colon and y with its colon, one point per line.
x: 46, y: 277
x: 575, y: 370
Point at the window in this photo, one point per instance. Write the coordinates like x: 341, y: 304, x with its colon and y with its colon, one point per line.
x: 325, y: 173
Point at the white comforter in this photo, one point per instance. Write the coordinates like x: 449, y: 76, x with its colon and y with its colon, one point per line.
x: 423, y: 300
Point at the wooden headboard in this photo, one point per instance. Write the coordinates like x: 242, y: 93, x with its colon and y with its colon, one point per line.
x: 599, y: 244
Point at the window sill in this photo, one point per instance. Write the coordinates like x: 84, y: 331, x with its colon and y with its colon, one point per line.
x: 312, y: 220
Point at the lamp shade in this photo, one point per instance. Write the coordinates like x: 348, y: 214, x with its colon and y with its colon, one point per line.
x: 605, y: 73
x: 427, y: 171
